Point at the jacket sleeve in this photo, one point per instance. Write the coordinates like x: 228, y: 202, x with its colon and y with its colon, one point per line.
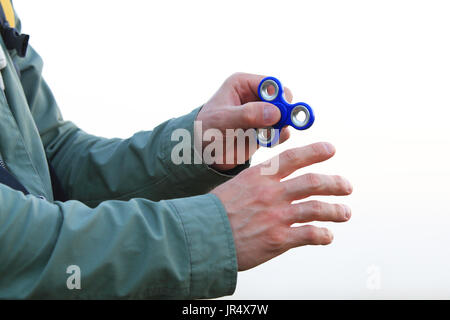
x: 181, y: 248
x: 92, y: 169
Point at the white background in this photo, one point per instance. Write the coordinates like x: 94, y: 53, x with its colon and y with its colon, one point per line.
x: 377, y: 74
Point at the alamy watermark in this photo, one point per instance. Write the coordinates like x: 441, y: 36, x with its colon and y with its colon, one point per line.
x: 213, y: 146
x: 74, y: 280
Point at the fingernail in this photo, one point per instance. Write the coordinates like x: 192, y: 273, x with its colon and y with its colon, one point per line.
x: 329, y: 234
x: 270, y: 114
x: 347, y: 212
x: 349, y: 187
x: 329, y: 147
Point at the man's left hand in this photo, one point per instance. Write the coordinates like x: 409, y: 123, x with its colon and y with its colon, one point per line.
x: 236, y: 105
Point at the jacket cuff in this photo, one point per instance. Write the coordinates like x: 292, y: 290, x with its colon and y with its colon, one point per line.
x: 205, y: 177
x: 210, y: 242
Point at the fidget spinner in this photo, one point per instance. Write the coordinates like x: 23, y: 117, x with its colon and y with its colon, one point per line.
x: 298, y: 115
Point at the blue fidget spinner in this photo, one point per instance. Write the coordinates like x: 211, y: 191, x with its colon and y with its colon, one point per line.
x: 298, y: 115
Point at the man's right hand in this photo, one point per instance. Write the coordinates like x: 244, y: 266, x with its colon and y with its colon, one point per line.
x: 261, y: 212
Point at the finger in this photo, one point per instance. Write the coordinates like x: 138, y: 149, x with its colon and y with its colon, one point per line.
x: 313, y: 184
x: 284, y: 135
x: 294, y: 159
x: 288, y: 94
x: 253, y: 115
x: 309, y: 235
x: 317, y: 211
x: 246, y: 86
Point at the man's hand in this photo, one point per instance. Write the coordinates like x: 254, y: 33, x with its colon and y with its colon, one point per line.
x: 237, y: 105
x: 261, y: 212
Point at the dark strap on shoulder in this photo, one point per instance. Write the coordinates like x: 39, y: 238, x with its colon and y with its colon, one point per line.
x: 11, y: 181
x: 12, y: 38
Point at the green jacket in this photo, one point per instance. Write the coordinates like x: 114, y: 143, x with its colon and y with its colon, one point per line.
x: 138, y: 226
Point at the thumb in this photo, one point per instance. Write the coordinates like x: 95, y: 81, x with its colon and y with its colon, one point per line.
x: 254, y: 115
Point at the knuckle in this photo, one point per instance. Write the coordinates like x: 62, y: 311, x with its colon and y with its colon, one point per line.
x: 290, y: 214
x: 217, y: 115
x: 256, y: 183
x: 318, y: 236
x: 313, y: 180
x: 234, y: 77
x: 237, y: 74
x: 290, y: 155
x: 311, y: 234
x: 316, y: 208
x: 249, y: 115
x: 276, y: 238
x: 277, y: 216
x: 318, y: 150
